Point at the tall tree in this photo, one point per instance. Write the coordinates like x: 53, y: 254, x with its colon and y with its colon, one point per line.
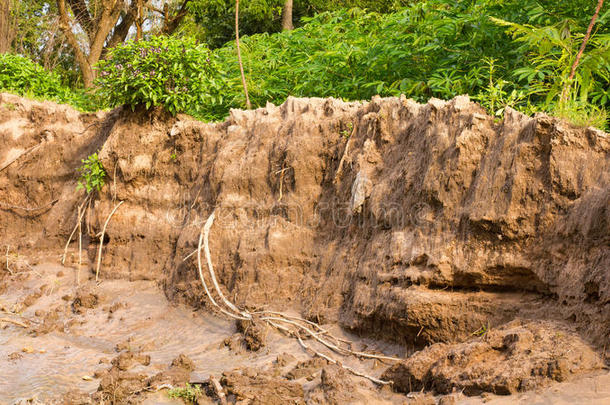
x: 287, y: 16
x: 96, y: 19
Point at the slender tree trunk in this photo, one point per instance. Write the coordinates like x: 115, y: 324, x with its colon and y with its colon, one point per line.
x: 287, y: 16
x: 139, y: 20
x: 566, y: 89
x: 7, y: 27
x: 241, y: 66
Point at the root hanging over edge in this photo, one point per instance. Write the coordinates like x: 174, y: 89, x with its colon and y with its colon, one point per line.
x: 292, y: 326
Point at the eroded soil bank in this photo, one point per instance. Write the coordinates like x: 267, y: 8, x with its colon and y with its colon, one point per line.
x: 433, y: 227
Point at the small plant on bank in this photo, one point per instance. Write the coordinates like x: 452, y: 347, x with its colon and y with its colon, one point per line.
x: 92, y: 174
x: 188, y: 394
x: 175, y: 73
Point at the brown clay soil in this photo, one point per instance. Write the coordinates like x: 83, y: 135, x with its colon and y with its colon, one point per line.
x: 476, y: 251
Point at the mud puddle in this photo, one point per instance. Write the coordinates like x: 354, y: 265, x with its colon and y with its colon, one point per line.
x: 75, y: 333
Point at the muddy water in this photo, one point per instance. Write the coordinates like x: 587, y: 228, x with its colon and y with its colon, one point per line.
x: 48, y: 365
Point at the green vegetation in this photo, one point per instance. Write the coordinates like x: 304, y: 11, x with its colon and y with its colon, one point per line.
x: 213, y: 20
x: 20, y: 75
x: 163, y: 71
x: 516, y: 53
x: 430, y: 49
x: 23, y: 76
x: 92, y: 174
x: 188, y: 394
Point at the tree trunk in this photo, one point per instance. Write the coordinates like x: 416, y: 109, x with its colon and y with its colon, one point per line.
x: 7, y: 26
x: 139, y: 21
x: 287, y: 16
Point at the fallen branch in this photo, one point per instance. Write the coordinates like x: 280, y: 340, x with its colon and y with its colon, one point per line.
x: 99, y: 253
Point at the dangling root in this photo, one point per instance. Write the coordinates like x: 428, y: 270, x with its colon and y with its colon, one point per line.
x: 291, y: 325
x: 99, y: 253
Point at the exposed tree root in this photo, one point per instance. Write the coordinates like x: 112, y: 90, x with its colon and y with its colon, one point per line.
x: 291, y: 325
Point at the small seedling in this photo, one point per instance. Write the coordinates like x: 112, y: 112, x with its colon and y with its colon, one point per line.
x: 174, y: 157
x: 482, y: 331
x: 92, y: 174
x: 347, y: 132
x: 188, y: 394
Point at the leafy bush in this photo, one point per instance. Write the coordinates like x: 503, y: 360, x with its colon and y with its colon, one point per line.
x: 175, y: 73
x: 21, y: 75
x: 431, y: 48
x: 92, y: 174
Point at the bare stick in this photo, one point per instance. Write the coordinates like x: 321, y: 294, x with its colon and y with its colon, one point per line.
x: 7, y: 320
x: 8, y: 268
x: 76, y: 227
x: 32, y: 149
x: 241, y: 66
x: 99, y: 253
x: 206, y: 247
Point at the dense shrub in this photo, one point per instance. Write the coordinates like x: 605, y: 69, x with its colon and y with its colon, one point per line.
x: 21, y: 75
x: 172, y: 72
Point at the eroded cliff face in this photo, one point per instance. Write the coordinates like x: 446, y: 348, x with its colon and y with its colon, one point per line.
x: 416, y: 223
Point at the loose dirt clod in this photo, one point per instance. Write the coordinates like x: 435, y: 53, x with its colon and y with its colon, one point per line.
x: 518, y: 356
x: 254, y: 332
